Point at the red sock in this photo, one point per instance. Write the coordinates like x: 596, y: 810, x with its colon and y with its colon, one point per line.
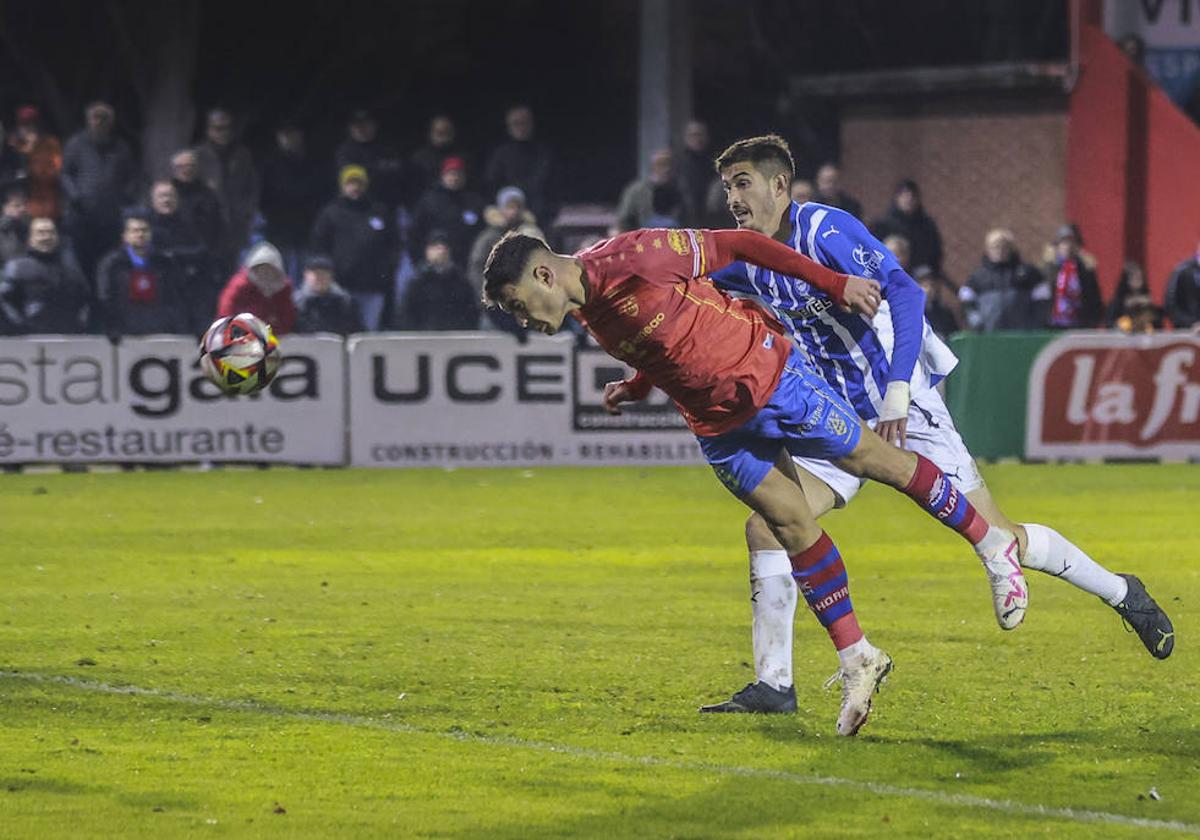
x: 821, y: 576
x: 930, y: 489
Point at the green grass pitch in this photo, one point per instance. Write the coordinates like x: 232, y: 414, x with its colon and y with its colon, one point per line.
x: 509, y: 653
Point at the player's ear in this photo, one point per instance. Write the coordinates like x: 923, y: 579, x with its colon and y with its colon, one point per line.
x: 544, y: 275
x: 781, y: 184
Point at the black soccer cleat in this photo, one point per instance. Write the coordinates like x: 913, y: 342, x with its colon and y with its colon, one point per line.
x: 1146, y: 618
x: 757, y: 698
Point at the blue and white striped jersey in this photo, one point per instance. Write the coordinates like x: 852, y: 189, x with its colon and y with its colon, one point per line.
x: 857, y: 356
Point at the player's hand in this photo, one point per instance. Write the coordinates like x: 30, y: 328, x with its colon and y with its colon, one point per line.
x: 862, y: 296
x: 893, y: 414
x: 616, y: 393
x: 893, y: 431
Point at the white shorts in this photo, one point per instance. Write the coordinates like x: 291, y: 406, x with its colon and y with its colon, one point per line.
x: 931, y: 433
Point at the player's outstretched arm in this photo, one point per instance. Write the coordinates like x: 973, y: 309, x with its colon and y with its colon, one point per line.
x: 857, y: 293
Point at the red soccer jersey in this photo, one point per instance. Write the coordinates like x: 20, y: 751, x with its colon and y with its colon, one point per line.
x: 649, y: 305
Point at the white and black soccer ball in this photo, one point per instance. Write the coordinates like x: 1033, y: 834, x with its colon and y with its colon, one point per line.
x: 240, y: 354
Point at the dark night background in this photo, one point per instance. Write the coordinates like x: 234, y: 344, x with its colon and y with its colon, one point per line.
x: 575, y: 63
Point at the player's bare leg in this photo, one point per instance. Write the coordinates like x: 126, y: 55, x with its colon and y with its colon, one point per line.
x: 922, y: 481
x: 773, y: 607
x: 773, y: 589
x: 1046, y: 550
x: 818, y: 567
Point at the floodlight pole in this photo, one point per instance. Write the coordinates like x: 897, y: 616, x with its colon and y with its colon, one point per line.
x: 664, y: 76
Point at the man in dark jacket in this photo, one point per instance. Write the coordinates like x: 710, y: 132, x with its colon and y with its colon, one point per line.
x: 425, y: 165
x: 1074, y: 292
x: 1182, y: 301
x: 43, y: 291
x: 907, y: 217
x: 138, y: 290
x: 14, y: 224
x: 451, y: 208
x: 1000, y: 293
x: 829, y: 190
x: 294, y: 187
x: 198, y: 201
x: 364, y: 147
x: 321, y: 304
x: 694, y: 172
x: 439, y: 296
x: 524, y: 162
x: 99, y: 177
x: 358, y: 233
x: 176, y: 239
x: 14, y: 167
x: 228, y: 168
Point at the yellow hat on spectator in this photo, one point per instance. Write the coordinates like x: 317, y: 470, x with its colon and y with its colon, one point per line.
x: 351, y: 172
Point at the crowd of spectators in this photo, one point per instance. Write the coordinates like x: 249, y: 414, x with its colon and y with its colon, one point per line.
x: 378, y: 239
x: 372, y: 239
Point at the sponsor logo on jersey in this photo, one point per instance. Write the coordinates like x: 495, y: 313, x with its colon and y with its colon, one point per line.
x: 869, y: 260
x: 678, y: 240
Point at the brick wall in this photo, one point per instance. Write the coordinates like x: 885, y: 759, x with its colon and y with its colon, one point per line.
x: 982, y: 161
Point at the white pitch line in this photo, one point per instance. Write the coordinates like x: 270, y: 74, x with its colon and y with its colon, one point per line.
x: 962, y: 800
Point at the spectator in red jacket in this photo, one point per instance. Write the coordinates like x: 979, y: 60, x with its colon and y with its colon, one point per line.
x: 261, y: 288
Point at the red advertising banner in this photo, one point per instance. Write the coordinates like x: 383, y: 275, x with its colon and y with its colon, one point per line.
x: 1109, y: 395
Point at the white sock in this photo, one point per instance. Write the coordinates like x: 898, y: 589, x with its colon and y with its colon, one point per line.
x: 859, y: 649
x: 995, y: 539
x: 773, y: 603
x: 1050, y: 552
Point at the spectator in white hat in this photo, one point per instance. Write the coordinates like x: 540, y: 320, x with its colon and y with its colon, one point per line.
x: 261, y: 288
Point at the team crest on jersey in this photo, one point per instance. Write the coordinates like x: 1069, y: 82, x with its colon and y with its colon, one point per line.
x: 628, y: 307
x: 678, y: 240
x: 836, y: 424
x: 869, y: 260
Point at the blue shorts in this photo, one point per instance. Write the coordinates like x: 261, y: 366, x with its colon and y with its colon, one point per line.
x: 804, y: 416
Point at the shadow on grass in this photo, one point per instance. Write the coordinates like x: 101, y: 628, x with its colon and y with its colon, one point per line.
x: 38, y: 786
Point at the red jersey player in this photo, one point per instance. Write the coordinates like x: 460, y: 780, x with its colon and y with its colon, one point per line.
x: 746, y: 392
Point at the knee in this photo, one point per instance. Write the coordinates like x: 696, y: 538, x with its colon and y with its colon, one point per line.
x: 758, y: 534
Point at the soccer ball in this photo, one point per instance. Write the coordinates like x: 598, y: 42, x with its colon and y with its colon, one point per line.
x: 240, y: 354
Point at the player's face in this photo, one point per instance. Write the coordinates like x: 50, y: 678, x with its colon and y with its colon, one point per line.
x: 536, y: 300
x: 753, y: 198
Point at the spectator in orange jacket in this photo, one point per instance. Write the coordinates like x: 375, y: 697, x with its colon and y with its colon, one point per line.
x: 261, y: 288
x: 43, y: 159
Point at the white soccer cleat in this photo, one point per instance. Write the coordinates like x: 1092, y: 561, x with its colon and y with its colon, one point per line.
x: 1010, y: 595
x: 859, y: 681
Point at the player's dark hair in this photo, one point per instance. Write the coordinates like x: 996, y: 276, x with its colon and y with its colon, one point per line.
x: 505, y: 263
x: 770, y: 151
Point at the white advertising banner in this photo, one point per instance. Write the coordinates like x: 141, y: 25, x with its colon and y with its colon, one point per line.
x: 81, y: 399
x: 487, y: 400
x: 1109, y: 395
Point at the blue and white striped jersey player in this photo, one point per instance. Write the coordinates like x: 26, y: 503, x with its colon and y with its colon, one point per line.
x: 887, y: 369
